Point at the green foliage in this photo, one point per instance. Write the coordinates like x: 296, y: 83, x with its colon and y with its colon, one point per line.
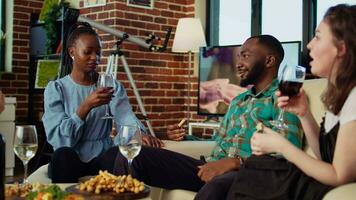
x: 55, y: 190
x: 46, y: 71
x: 47, y: 4
x: 50, y: 24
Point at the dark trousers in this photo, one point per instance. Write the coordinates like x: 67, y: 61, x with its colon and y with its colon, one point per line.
x: 66, y: 167
x: 217, y: 188
x: 162, y: 168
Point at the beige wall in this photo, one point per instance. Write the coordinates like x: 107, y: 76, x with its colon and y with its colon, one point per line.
x: 200, y: 12
x: 74, y: 3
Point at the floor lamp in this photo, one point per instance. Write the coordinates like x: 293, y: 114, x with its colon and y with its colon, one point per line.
x: 189, y: 37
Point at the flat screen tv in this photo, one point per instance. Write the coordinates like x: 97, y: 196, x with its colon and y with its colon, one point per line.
x: 217, y: 70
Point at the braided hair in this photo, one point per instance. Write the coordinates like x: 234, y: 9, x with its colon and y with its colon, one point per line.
x: 72, y: 35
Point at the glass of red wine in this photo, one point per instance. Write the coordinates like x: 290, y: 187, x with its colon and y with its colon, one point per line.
x: 290, y: 82
x: 106, y: 81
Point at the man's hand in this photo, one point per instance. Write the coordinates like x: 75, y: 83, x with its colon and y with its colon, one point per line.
x: 211, y: 169
x: 174, y: 132
x: 151, y: 141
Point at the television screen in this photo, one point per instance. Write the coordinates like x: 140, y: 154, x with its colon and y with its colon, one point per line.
x: 217, y: 70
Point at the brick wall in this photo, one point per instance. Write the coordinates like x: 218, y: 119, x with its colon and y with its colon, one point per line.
x: 16, y: 83
x: 161, y: 78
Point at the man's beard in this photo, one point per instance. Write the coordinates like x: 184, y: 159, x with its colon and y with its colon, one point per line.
x: 253, y: 74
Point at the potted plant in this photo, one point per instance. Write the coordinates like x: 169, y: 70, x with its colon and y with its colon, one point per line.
x: 50, y: 18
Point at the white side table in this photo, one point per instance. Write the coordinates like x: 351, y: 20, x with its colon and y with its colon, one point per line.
x: 7, y: 129
x: 211, y: 125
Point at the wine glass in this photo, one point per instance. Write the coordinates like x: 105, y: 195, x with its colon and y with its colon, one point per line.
x: 290, y: 82
x: 130, y: 141
x: 106, y: 81
x: 25, y: 144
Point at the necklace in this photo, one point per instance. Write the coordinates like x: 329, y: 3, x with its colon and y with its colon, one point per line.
x: 263, y: 90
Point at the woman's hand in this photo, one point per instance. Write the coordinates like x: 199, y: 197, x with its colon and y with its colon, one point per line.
x: 267, y: 142
x: 174, y: 132
x: 151, y: 141
x: 100, y: 96
x: 297, y: 104
x: 97, y: 98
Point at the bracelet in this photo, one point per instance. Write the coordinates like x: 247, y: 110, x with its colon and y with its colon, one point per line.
x: 240, y: 160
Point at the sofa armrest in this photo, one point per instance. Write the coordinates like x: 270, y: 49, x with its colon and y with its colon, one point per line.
x: 40, y: 175
x: 193, y: 149
x: 344, y: 192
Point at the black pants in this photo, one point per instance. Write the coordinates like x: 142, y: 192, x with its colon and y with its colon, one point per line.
x: 217, y: 188
x: 66, y: 167
x: 163, y: 168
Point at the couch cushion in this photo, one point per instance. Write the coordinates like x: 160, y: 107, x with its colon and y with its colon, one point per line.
x: 40, y: 175
x: 177, y: 194
x: 190, y: 148
x: 314, y: 89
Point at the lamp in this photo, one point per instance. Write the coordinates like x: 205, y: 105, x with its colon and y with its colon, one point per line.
x: 189, y: 36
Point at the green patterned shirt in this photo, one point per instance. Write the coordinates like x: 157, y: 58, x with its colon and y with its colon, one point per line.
x: 239, y: 123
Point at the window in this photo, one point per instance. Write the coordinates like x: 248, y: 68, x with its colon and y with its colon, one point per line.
x: 9, y: 13
x: 234, y: 21
x: 283, y: 19
x: 292, y: 20
x: 322, y: 7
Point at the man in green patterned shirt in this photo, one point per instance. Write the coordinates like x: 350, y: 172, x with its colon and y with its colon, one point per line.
x: 258, y: 64
x: 238, y: 126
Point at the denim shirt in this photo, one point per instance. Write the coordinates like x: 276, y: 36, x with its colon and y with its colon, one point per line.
x: 91, y: 136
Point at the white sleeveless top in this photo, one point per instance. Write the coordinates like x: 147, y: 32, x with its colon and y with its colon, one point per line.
x: 347, y: 113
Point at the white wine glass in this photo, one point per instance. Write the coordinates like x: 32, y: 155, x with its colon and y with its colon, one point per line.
x: 130, y: 141
x: 290, y: 82
x: 106, y: 81
x: 25, y: 145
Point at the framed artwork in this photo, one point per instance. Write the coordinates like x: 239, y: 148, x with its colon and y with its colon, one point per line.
x: 94, y: 3
x: 141, y: 3
x: 47, y: 70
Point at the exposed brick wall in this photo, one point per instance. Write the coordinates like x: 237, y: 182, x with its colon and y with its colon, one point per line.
x: 161, y: 78
x: 16, y: 83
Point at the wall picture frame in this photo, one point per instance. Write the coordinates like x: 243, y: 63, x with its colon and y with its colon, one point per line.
x: 94, y: 3
x: 148, y: 4
x: 47, y: 70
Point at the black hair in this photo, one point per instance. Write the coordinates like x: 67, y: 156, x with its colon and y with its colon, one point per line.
x: 273, y: 44
x: 72, y: 35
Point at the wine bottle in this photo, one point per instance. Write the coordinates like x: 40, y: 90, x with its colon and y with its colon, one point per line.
x: 2, y: 167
